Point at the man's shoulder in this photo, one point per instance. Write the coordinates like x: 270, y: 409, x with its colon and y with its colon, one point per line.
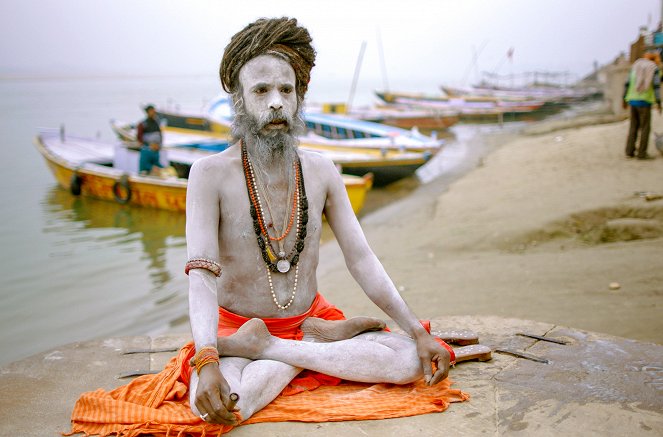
x: 320, y: 169
x: 219, y: 161
x: 314, y: 159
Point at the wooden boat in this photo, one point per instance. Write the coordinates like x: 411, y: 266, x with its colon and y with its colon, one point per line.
x: 386, y: 164
x: 405, y: 118
x: 554, y: 99
x: 192, y: 122
x: 342, y: 133
x: 109, y: 171
x: 329, y: 131
x: 557, y: 94
x: 176, y: 137
x: 469, y: 107
x: 91, y: 168
x: 384, y: 171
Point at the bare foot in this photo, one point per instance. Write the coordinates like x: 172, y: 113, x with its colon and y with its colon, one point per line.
x: 249, y: 341
x: 462, y: 337
x: 475, y: 352
x: 324, y: 331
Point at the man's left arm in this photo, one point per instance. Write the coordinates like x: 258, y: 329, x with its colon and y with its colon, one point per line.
x: 374, y: 280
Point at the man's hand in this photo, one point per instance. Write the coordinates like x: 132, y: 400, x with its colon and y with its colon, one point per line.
x: 624, y: 104
x: 212, y: 396
x: 658, y: 106
x: 429, y: 350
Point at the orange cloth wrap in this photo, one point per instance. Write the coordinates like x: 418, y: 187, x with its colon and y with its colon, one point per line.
x: 158, y: 404
x: 288, y: 328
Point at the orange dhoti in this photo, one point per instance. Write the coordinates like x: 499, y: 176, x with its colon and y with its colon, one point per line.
x: 288, y: 328
x: 158, y: 404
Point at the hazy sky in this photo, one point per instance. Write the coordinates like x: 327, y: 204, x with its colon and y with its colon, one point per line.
x: 425, y: 43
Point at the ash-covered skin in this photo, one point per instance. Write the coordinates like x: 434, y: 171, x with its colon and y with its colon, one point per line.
x: 218, y: 223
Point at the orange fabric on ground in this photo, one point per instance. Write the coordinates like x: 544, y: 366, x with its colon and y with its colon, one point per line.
x: 159, y: 405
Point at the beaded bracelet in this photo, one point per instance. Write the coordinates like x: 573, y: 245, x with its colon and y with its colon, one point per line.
x: 206, y: 355
x: 203, y: 263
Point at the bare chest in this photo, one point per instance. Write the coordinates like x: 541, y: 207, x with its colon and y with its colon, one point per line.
x: 272, y: 208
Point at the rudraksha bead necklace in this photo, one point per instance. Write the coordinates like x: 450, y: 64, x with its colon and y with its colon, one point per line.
x: 288, y: 219
x: 284, y: 262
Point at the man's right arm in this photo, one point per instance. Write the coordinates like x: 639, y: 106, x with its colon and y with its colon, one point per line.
x: 202, y: 225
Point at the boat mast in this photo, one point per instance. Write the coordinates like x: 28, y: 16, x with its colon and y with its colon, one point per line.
x: 356, y: 75
x: 473, y: 62
x: 383, y: 66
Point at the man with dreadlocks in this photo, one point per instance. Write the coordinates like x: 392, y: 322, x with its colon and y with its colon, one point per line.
x: 254, y: 217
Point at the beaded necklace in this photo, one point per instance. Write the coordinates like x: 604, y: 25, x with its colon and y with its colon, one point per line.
x: 278, y: 262
x: 282, y: 263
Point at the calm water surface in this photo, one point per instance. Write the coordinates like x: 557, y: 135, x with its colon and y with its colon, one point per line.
x: 74, y: 269
x: 77, y: 268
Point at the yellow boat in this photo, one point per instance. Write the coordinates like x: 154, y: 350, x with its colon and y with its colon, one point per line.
x: 102, y: 170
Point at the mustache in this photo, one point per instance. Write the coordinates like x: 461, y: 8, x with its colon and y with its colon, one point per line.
x: 245, y: 125
x: 278, y: 116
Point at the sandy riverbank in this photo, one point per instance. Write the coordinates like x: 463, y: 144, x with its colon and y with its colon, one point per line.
x: 538, y: 231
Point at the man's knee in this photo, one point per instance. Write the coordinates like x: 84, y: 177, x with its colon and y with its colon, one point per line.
x: 405, y: 372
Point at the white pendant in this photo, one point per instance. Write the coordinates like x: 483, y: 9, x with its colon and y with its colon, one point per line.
x: 283, y: 265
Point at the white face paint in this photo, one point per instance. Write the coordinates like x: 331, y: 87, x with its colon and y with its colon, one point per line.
x: 268, y: 84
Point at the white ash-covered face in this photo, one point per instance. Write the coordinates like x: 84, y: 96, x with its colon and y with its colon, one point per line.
x: 269, y: 93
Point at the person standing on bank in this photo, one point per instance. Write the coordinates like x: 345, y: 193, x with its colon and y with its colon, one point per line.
x: 641, y: 90
x: 150, y: 136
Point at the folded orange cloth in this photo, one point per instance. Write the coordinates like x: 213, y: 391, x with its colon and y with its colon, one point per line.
x: 158, y: 404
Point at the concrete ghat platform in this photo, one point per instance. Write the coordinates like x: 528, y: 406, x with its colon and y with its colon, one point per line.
x: 593, y: 385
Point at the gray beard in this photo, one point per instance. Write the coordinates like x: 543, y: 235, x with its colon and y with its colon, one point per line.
x: 278, y: 147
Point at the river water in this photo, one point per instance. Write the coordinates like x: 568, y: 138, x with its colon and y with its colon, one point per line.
x: 75, y: 269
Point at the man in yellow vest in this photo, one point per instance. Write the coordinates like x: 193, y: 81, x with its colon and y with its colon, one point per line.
x: 641, y: 91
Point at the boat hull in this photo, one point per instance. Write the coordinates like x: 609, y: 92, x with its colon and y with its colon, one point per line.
x: 103, y: 182
x: 387, y: 165
x: 357, y: 189
x: 193, y: 122
x: 148, y: 192
x: 383, y: 174
x: 422, y: 123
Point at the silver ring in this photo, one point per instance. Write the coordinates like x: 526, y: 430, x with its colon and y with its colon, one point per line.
x: 204, y: 416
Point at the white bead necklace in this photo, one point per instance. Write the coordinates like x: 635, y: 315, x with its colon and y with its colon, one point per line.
x: 281, y: 254
x: 294, y: 289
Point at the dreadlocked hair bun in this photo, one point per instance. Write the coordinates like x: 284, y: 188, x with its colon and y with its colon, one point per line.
x: 264, y: 36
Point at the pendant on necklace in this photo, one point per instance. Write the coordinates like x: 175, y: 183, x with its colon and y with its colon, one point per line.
x: 283, y: 265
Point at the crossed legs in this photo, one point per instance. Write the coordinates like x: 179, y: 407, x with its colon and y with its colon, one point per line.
x: 259, y: 366
x: 258, y: 382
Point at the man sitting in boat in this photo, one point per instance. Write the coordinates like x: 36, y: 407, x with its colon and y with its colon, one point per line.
x: 254, y: 219
x: 148, y: 133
